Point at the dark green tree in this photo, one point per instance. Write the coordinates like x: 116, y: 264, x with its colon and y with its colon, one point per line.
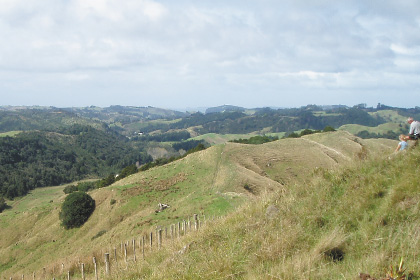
x: 76, y: 209
x: 3, y: 204
x: 131, y: 169
x: 328, y: 128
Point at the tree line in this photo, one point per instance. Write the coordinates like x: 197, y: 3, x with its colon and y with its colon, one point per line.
x: 280, y: 120
x: 41, y: 158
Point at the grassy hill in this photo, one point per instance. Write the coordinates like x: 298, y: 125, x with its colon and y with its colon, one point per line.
x: 318, y: 207
x: 394, y: 122
x: 362, y: 218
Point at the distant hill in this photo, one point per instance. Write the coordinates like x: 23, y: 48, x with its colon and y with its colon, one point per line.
x: 140, y: 133
x: 40, y: 118
x: 125, y: 114
x: 224, y: 108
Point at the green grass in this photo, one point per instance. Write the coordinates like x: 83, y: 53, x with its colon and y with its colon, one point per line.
x: 380, y: 129
x: 394, y: 123
x: 390, y: 116
x: 10, y: 133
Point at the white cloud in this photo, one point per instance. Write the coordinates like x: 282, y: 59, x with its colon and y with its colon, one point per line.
x: 183, y: 48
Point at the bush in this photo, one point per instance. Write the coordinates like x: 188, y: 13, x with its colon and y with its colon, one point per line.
x: 76, y: 209
x: 328, y: 128
x: 99, y: 234
x: 70, y: 189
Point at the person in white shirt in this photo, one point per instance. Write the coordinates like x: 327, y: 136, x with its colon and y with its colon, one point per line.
x: 414, y: 133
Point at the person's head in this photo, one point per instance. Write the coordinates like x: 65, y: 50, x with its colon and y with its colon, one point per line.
x: 402, y: 137
x: 410, y: 120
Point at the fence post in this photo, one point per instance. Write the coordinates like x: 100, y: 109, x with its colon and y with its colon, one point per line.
x: 151, y: 240
x: 196, y: 221
x: 68, y: 275
x: 179, y: 229
x: 33, y: 275
x: 107, y: 268
x: 125, y: 252
x: 83, y: 271
x: 95, y: 267
x: 134, y: 250
x: 159, y: 238
x: 115, y: 255
x: 142, y: 244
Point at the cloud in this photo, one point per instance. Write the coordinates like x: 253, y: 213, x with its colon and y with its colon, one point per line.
x: 176, y: 50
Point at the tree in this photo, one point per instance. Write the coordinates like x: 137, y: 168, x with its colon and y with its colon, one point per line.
x: 3, y: 204
x: 328, y: 128
x: 76, y: 209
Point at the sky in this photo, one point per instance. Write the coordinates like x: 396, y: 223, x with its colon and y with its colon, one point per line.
x: 188, y: 54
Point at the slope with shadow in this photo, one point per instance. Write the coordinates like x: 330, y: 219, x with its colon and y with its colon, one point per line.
x: 211, y: 182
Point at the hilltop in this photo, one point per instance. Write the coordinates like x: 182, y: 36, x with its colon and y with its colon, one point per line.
x: 215, y: 182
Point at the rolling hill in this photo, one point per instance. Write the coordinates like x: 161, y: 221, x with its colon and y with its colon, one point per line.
x: 215, y: 182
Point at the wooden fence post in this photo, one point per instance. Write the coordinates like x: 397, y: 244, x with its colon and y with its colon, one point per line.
x: 142, y: 244
x: 95, y: 266
x: 83, y: 271
x: 33, y: 275
x: 151, y: 241
x: 115, y: 255
x: 125, y: 252
x: 107, y: 268
x: 134, y: 250
x: 159, y: 238
x: 196, y: 221
x: 68, y: 275
x: 179, y: 229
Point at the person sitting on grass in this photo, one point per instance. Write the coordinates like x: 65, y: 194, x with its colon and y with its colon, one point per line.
x: 414, y: 133
x: 403, y: 143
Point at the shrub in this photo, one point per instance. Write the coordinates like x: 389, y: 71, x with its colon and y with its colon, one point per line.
x: 99, y: 234
x: 86, y: 186
x: 76, y: 209
x: 70, y: 189
x: 328, y: 128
